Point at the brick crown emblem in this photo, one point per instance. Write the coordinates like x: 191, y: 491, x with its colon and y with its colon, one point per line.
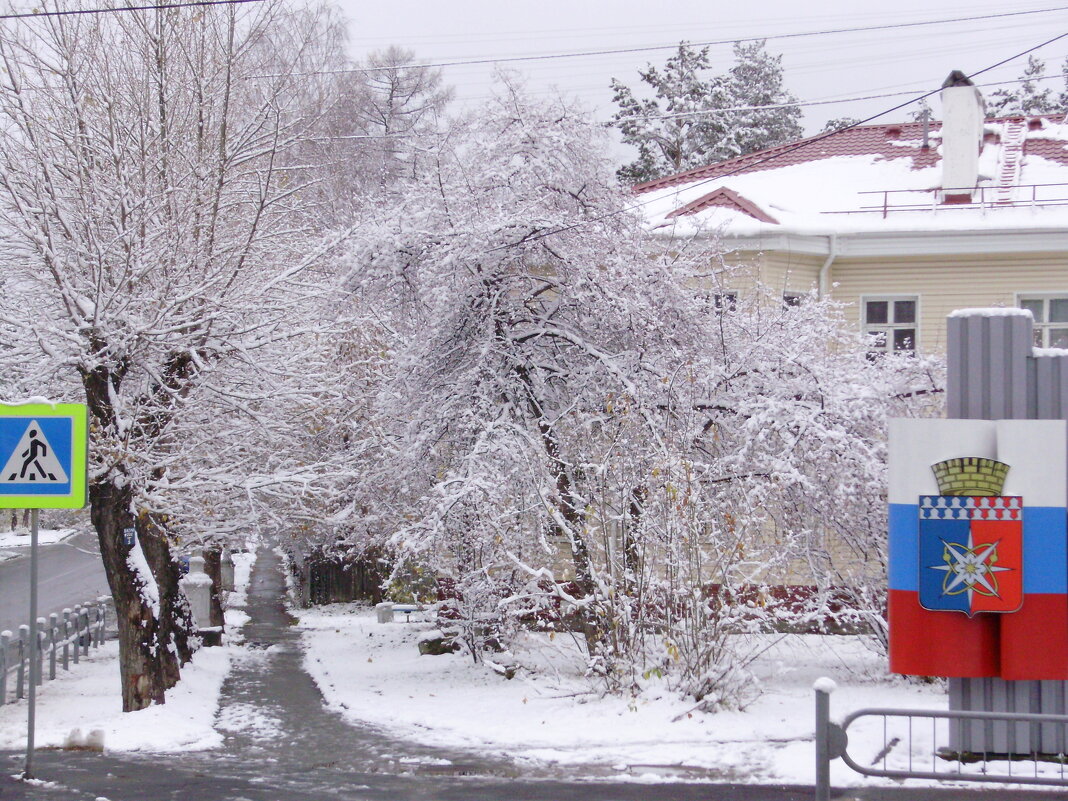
x: 970, y: 475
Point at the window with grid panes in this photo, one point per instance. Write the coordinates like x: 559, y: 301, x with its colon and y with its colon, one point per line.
x: 890, y: 323
x: 1051, y: 319
x: 725, y: 301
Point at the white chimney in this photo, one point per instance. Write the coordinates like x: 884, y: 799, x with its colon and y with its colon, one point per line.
x: 963, y: 114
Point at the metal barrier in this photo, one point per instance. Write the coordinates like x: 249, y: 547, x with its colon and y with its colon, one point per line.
x: 923, y: 737
x: 63, y: 638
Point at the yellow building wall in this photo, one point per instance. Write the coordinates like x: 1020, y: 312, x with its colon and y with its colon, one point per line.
x: 943, y: 284
x: 779, y: 272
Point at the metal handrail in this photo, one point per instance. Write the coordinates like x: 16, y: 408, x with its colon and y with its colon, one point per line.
x: 832, y: 742
x: 983, y: 203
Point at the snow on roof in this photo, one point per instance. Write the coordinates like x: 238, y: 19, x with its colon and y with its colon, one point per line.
x: 872, y: 177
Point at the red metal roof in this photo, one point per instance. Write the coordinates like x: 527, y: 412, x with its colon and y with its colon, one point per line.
x: 727, y: 199
x: 896, y: 141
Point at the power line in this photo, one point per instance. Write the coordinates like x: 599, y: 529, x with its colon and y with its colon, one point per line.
x: 785, y: 151
x: 656, y: 48
x: 807, y: 103
x: 117, y: 9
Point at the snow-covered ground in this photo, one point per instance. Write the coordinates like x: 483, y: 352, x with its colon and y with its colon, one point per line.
x: 12, y: 542
x: 87, y: 697
x: 545, y: 717
x: 373, y: 673
x: 45, y: 536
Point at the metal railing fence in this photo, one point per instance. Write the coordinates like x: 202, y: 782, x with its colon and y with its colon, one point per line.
x: 63, y: 639
x: 926, y: 750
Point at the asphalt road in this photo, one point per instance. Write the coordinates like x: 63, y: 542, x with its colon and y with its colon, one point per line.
x: 69, y: 573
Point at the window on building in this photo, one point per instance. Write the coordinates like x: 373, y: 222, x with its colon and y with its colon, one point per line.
x: 725, y: 301
x: 792, y: 299
x: 890, y: 323
x: 1051, y: 319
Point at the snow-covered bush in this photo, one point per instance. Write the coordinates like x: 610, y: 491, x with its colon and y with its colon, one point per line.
x: 563, y: 408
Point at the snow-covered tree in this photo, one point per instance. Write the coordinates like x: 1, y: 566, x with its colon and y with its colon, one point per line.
x: 156, y: 238
x: 401, y: 104
x: 568, y: 426
x: 506, y: 341
x: 695, y: 118
x: 383, y: 112
x: 1029, y: 96
x: 757, y: 79
x: 838, y: 123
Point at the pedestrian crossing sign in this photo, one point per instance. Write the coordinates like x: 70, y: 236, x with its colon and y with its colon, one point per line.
x: 43, y: 450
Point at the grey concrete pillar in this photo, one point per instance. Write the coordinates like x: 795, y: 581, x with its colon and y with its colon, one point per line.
x: 197, y: 588
x: 226, y: 569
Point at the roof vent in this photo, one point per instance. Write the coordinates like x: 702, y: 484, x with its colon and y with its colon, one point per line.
x: 893, y: 132
x: 1035, y: 124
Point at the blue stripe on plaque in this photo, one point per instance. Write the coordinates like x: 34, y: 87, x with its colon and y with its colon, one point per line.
x: 1045, y: 536
x: 903, y: 546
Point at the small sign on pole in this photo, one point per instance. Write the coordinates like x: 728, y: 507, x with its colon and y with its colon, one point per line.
x: 129, y: 536
x: 43, y: 450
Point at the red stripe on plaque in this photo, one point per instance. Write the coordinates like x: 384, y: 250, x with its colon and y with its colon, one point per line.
x: 924, y: 643
x: 1034, y: 641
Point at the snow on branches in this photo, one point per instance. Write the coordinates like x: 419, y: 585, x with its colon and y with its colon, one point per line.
x: 159, y: 245
x: 571, y: 427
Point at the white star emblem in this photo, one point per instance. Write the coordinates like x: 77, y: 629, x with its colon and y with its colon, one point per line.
x: 969, y: 569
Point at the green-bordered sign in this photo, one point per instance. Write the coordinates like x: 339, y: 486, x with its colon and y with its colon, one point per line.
x: 43, y: 449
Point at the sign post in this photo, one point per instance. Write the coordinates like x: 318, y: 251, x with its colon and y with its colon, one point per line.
x: 978, y: 545
x: 43, y: 450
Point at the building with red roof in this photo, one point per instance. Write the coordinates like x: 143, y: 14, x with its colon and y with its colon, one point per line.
x: 903, y: 222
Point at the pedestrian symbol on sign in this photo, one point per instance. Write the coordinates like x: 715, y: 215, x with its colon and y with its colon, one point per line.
x: 33, y: 460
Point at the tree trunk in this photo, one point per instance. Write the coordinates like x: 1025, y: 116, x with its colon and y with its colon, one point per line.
x: 631, y: 555
x: 140, y: 666
x: 567, y: 508
x: 176, y: 621
x: 213, y: 567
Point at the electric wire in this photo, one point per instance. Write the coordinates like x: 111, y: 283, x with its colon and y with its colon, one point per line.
x: 807, y: 103
x: 778, y: 154
x: 117, y: 9
x: 733, y: 40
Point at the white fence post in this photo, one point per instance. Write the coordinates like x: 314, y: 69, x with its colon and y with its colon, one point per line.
x: 88, y: 635
x: 66, y: 639
x: 74, y: 636
x: 226, y: 570
x: 53, y: 632
x: 20, y: 676
x: 197, y: 588
x: 101, y: 622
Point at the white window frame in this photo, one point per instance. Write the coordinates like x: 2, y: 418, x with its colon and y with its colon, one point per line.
x: 1043, y: 327
x: 890, y: 326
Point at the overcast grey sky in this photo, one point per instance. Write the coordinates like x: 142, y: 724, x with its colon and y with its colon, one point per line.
x: 817, y: 68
